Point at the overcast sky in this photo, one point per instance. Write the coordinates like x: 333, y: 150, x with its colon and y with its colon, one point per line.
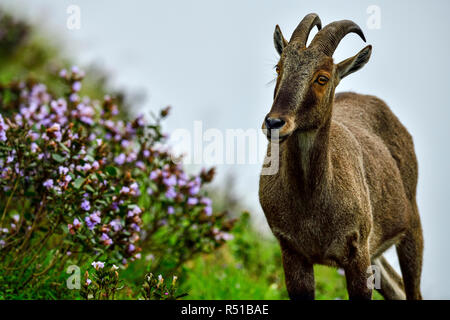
x: 213, y: 60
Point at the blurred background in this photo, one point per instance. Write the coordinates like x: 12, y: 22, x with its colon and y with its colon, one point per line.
x: 212, y: 61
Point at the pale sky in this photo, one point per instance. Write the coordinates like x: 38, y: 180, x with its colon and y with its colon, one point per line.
x: 212, y: 61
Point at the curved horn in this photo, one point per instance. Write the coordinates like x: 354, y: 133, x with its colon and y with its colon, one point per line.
x: 330, y: 36
x: 305, y: 26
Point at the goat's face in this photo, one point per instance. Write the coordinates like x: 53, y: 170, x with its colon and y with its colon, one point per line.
x: 305, y: 84
x: 307, y: 77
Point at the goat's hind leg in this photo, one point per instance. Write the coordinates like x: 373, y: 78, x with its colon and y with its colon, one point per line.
x: 391, y: 284
x: 410, y: 252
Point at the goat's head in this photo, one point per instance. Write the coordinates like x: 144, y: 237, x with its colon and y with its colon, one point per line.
x: 307, y: 76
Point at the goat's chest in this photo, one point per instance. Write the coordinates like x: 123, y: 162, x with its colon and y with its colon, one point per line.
x: 311, y: 226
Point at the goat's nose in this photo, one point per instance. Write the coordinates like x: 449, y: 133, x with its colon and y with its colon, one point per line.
x: 274, y: 123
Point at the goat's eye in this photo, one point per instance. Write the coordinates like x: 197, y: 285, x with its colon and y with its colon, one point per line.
x: 277, y: 69
x: 322, y: 80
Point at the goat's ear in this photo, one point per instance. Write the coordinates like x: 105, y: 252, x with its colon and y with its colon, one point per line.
x: 278, y: 40
x: 354, y: 63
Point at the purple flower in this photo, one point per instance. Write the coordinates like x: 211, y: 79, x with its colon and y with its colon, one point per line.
x: 154, y: 174
x: 125, y: 143
x: 223, y: 236
x: 48, y: 183
x: 98, y: 265
x: 106, y: 239
x: 76, y: 222
x: 170, y: 181
x: 171, y: 193
x: 116, y: 225
x: 195, y: 189
x: 131, y: 247
x: 134, y: 212
x: 192, y: 201
x: 76, y: 86
x: 93, y: 219
x: 3, y: 128
x: 135, y: 227
x: 75, y: 69
x: 132, y: 157
x: 34, y: 147
x: 170, y: 210
x: 206, y: 201
x: 208, y: 211
x: 115, y: 206
x: 63, y: 170
x: 125, y: 190
x: 74, y: 97
x: 87, y: 167
x: 95, y: 165
x: 134, y: 187
x: 85, y: 205
x: 120, y: 159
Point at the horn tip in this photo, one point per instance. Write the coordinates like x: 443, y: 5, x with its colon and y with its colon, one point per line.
x: 363, y: 37
x: 317, y: 19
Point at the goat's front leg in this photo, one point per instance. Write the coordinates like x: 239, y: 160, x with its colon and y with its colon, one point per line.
x: 357, y: 277
x: 299, y: 275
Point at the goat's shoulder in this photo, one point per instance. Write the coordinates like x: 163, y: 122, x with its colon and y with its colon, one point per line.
x: 359, y: 108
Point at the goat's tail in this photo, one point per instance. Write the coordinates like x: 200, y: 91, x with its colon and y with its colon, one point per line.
x: 391, y: 282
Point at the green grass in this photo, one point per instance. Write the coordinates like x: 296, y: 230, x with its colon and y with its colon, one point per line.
x: 249, y: 267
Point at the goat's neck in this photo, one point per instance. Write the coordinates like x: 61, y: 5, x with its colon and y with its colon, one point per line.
x: 306, y: 158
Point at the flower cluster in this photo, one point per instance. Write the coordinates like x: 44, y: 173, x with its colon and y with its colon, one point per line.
x: 155, y: 288
x: 77, y: 178
x: 102, y: 283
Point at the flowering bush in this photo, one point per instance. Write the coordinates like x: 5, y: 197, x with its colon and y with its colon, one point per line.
x: 79, y: 183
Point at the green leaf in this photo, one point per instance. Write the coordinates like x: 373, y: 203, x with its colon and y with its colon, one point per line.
x: 78, y: 183
x: 58, y: 158
x: 89, y: 158
x: 111, y: 170
x: 63, y: 147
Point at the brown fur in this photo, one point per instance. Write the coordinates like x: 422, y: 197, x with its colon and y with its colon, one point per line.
x: 345, y: 189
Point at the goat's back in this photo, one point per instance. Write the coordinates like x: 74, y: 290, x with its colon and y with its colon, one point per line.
x: 369, y: 114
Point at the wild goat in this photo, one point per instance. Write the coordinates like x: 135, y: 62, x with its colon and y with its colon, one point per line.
x: 345, y: 190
